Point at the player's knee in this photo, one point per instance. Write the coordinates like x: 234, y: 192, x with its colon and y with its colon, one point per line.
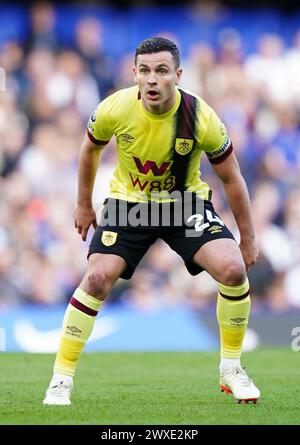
x: 99, y: 283
x: 234, y: 274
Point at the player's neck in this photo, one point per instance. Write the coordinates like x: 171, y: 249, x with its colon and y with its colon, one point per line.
x: 160, y: 108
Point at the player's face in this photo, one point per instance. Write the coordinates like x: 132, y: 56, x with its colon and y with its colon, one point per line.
x: 156, y: 76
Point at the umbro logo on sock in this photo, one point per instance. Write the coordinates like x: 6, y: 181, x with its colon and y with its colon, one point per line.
x: 238, y: 320
x: 73, y: 329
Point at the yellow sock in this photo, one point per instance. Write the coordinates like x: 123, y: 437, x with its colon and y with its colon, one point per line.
x: 77, y: 326
x: 233, y: 310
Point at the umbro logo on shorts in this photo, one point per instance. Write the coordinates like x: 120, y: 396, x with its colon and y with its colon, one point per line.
x: 215, y: 229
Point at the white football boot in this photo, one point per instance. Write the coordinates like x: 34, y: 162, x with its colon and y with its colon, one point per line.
x: 59, y: 390
x: 235, y: 381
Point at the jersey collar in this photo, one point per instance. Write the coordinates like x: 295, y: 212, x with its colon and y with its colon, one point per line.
x: 171, y: 112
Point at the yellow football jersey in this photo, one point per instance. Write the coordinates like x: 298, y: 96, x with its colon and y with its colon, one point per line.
x: 158, y: 154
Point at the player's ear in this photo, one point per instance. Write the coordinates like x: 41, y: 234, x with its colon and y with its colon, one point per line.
x: 134, y: 73
x: 178, y: 75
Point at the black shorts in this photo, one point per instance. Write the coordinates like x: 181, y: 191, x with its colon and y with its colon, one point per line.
x: 128, y: 229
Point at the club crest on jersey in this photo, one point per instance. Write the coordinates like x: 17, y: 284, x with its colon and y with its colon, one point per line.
x: 183, y: 146
x: 109, y: 238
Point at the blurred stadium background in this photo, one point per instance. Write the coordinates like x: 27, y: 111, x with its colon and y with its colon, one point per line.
x: 56, y: 63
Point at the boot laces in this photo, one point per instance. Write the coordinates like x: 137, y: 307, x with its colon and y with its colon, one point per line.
x: 241, y: 375
x: 60, y: 389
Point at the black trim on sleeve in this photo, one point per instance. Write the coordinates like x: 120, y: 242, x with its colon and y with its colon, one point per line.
x: 94, y: 140
x: 222, y: 158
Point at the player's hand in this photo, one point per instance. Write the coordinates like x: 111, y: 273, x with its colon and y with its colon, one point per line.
x: 250, y: 251
x: 84, y: 217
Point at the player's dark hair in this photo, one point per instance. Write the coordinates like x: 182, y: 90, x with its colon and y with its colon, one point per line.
x: 157, y: 44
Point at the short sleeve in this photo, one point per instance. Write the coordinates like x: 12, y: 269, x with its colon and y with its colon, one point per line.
x: 216, y: 143
x: 99, y: 127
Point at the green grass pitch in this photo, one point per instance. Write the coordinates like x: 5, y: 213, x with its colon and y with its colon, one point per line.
x: 150, y: 389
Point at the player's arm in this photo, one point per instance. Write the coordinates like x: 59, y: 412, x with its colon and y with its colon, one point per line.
x: 98, y: 134
x: 219, y: 151
x: 237, y: 195
x: 89, y: 157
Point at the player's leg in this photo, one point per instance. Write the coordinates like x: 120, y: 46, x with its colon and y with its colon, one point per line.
x: 114, y: 252
x: 209, y: 245
x: 223, y: 260
x: 102, y: 272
